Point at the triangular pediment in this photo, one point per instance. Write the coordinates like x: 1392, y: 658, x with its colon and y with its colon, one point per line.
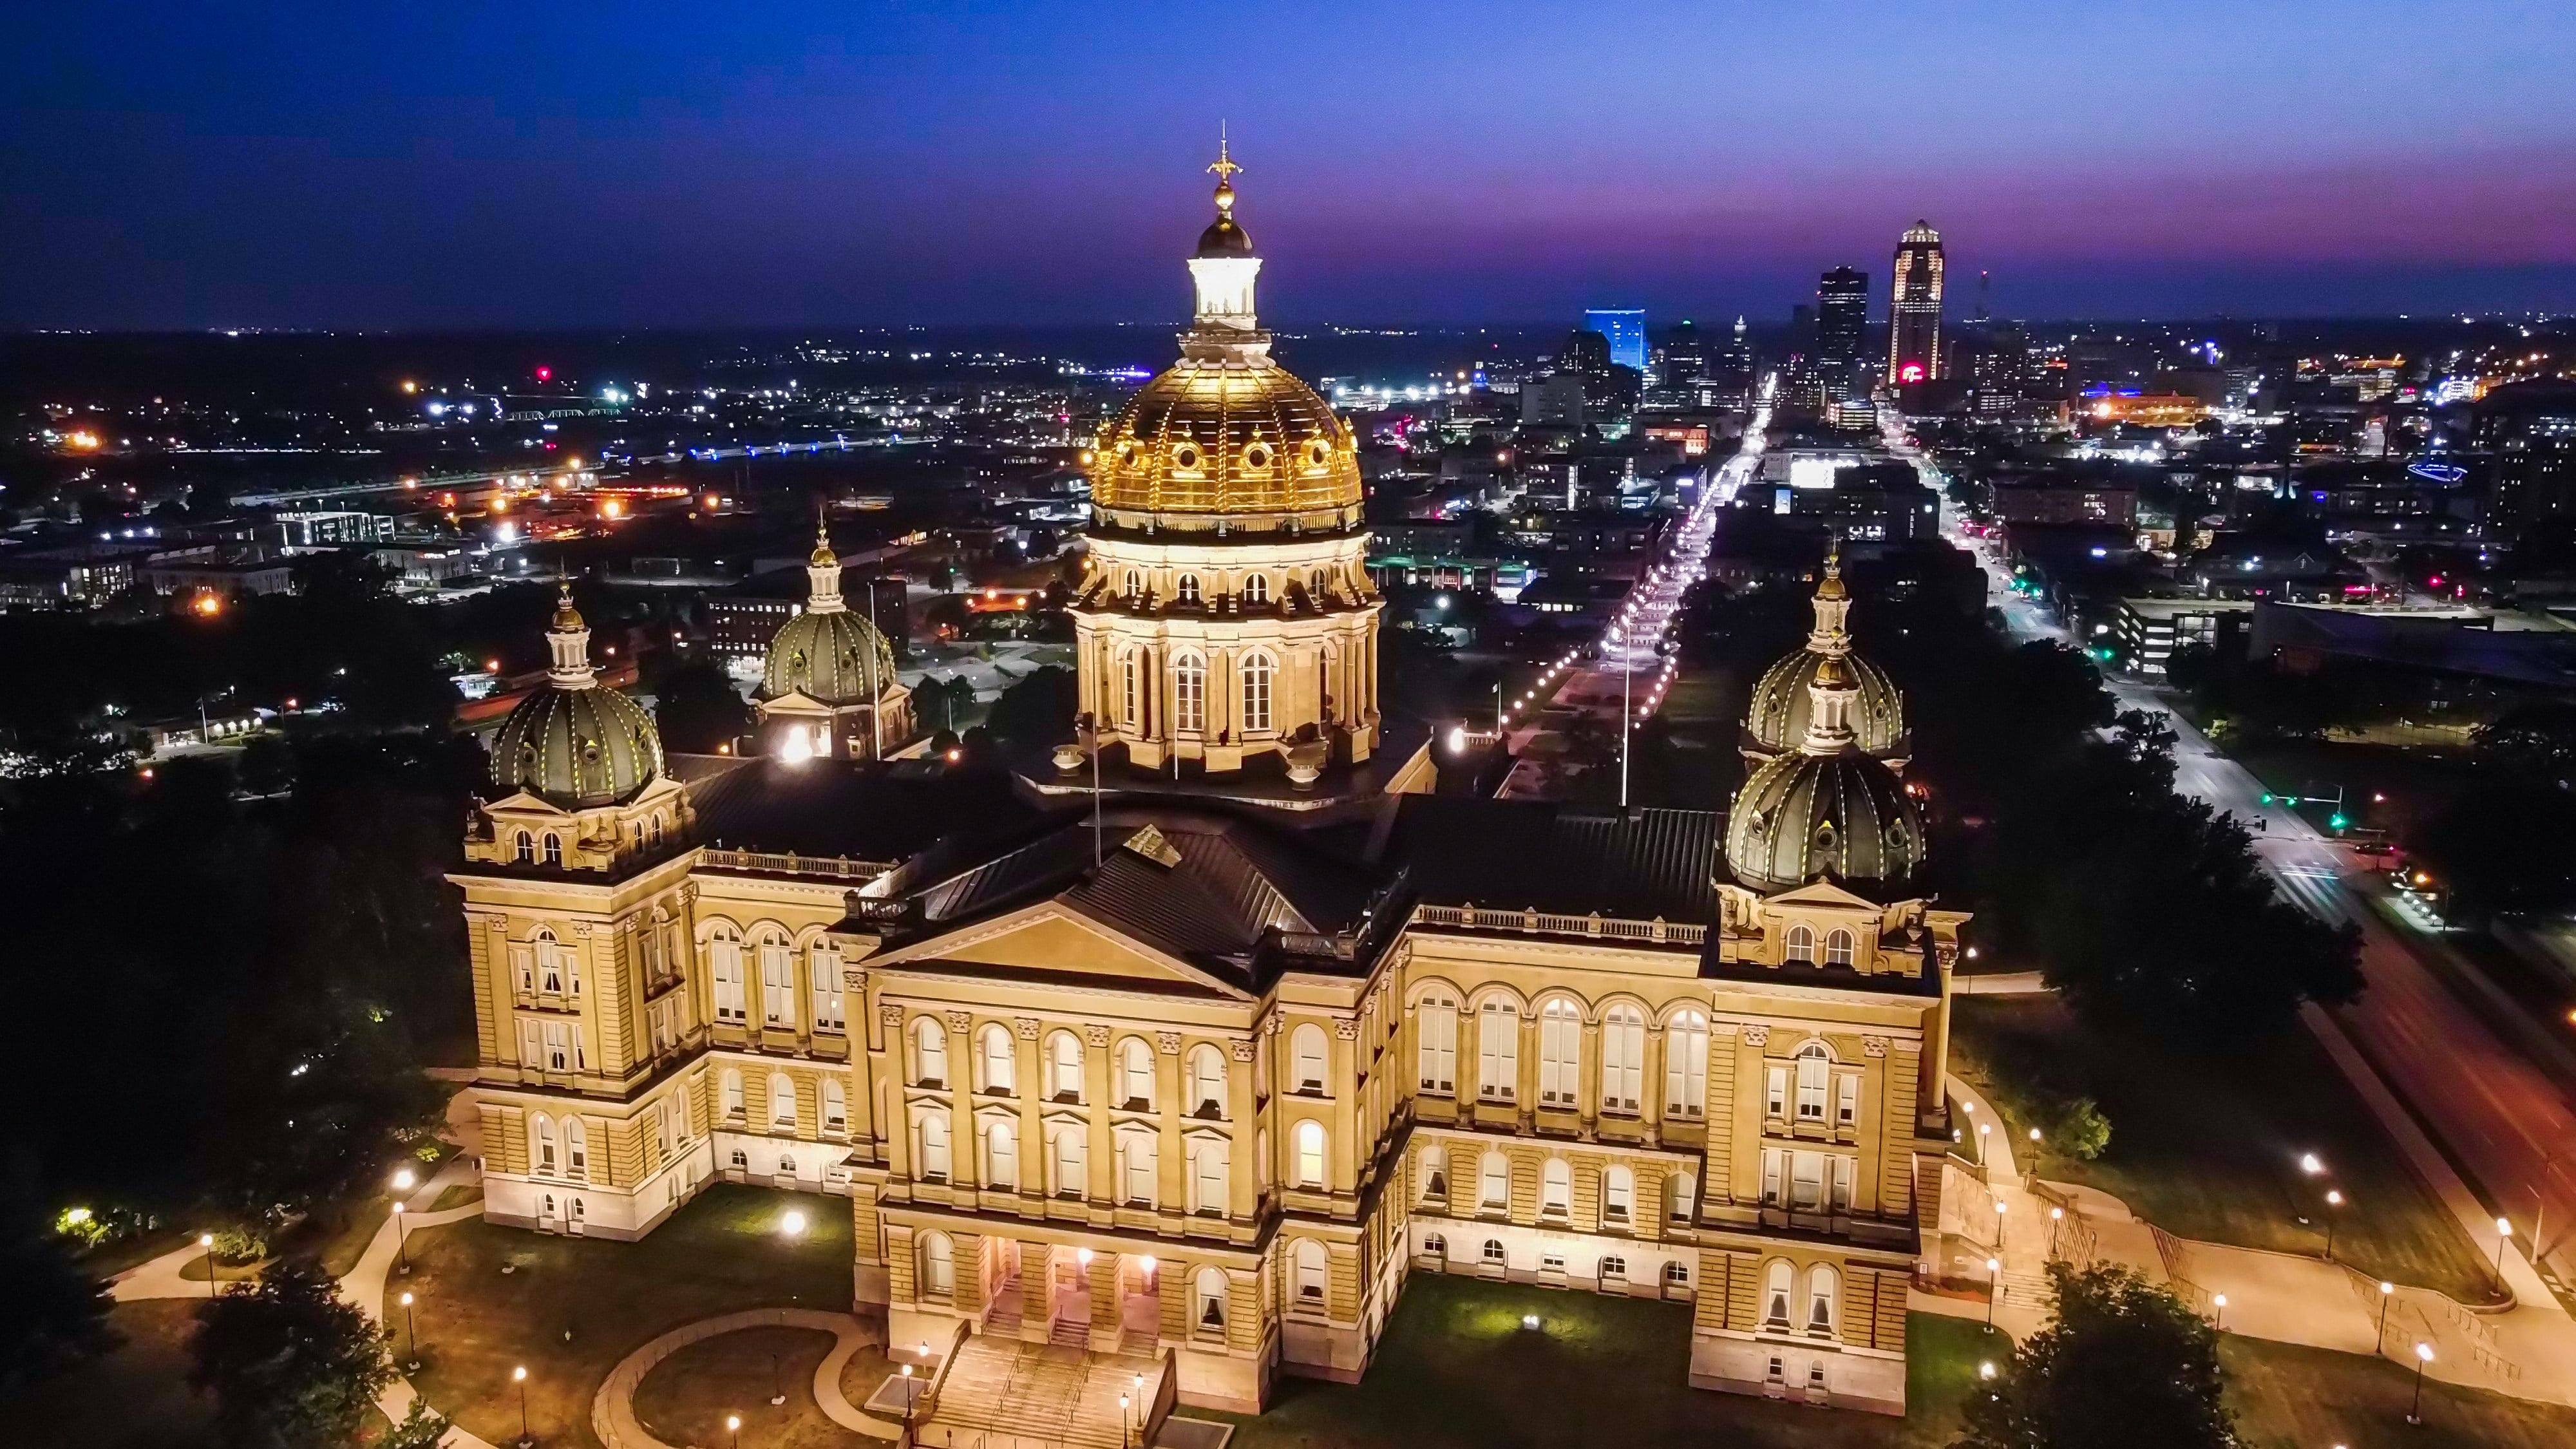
x: 1821, y: 893
x: 1054, y: 938
x: 795, y: 701
x: 520, y: 802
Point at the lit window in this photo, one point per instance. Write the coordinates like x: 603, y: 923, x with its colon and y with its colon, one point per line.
x: 929, y: 1052
x: 1623, y: 1058
x: 938, y: 1265
x: 1556, y: 1189
x: 1814, y: 1064
x: 1186, y: 588
x: 1310, y: 1154
x: 1310, y: 1271
x: 996, y: 1058
x: 1135, y: 1075
x: 1257, y: 672
x: 1209, y: 1167
x: 1618, y: 1196
x: 1256, y: 589
x: 1800, y: 945
x: 1435, y: 1029
x: 1189, y: 692
x: 933, y: 1145
x: 1207, y: 1082
x: 1776, y: 1282
x: 1064, y: 1067
x: 1686, y: 1065
x: 782, y: 1102
x: 1493, y: 1183
x: 1498, y: 1046
x: 1001, y: 1156
x: 1308, y: 1054
x: 1838, y: 947
x: 1823, y: 1289
x: 1560, y: 1052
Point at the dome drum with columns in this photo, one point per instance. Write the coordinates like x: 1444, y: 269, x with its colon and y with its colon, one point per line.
x: 829, y: 687
x: 1225, y: 616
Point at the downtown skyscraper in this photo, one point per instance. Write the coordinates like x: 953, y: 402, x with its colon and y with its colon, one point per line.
x: 1842, y: 319
x: 1914, y: 308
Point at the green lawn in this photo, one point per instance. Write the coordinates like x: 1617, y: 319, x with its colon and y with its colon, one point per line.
x: 721, y: 1253
x: 134, y: 1398
x: 2209, y: 1148
x: 2287, y: 1396
x: 686, y: 1397
x: 1456, y: 1370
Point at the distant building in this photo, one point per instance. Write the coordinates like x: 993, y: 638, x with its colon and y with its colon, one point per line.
x: 1914, y: 308
x: 1626, y: 329
x: 2146, y: 409
x: 1554, y: 401
x: 327, y: 529
x: 1842, y: 318
x: 2529, y: 429
x: 2064, y: 500
x: 2151, y: 629
x: 207, y: 571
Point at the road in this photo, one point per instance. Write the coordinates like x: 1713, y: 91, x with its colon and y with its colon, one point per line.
x: 2499, y: 1116
x: 1622, y: 679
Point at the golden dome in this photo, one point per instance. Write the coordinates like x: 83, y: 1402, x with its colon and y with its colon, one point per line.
x: 566, y: 616
x: 1234, y: 434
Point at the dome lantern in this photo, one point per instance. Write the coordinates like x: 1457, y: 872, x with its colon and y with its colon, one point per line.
x: 1779, y: 715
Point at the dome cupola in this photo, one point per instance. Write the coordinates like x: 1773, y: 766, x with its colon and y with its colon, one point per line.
x: 828, y: 654
x: 570, y: 742
x: 1826, y: 809
x: 1776, y: 718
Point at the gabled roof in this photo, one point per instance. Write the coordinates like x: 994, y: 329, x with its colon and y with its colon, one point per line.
x: 1554, y: 856
x: 856, y: 809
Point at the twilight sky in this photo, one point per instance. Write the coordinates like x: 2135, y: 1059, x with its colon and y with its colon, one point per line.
x: 184, y: 163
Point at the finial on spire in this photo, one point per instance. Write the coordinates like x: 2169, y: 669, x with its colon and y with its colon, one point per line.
x: 1224, y: 166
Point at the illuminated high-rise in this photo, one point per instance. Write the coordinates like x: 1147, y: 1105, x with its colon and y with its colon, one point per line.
x: 1842, y: 317
x: 1626, y: 329
x: 1914, y: 308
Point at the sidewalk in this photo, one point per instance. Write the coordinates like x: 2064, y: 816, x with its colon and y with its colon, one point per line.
x: 2527, y: 1351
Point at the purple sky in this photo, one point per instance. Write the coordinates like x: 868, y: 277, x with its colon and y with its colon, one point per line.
x: 172, y: 163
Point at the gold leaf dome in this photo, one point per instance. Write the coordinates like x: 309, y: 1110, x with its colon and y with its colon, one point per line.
x: 1231, y: 434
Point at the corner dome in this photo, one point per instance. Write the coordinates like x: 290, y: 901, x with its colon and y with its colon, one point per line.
x: 830, y: 657
x: 1840, y: 817
x: 1779, y: 713
x: 577, y: 748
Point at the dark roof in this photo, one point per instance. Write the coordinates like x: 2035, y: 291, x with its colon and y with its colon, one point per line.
x: 854, y: 809
x: 1559, y: 858
x: 1836, y: 978
x: 1221, y: 890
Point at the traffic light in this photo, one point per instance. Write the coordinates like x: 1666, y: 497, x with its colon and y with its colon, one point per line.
x: 2336, y: 821
x: 2267, y: 797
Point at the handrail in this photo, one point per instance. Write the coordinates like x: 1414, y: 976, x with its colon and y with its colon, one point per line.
x: 1532, y: 921
x: 787, y: 863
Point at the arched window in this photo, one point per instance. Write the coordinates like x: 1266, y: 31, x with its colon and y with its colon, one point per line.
x: 1677, y: 1272
x: 1135, y: 1075
x: 1072, y: 1163
x: 1686, y: 1065
x: 1498, y: 1050
x: 997, y: 1057
x: 1315, y: 585
x: 1001, y: 1156
x: 1189, y: 691
x: 1614, y: 1267
x: 550, y: 962
x: 1681, y: 1195
x: 1257, y: 672
x: 782, y: 1102
x: 1800, y: 945
x: 731, y: 1086
x: 554, y: 848
x: 724, y: 965
x: 1435, y: 1031
x: 1435, y: 1246
x: 1560, y: 1052
x: 1210, y: 1165
x: 1207, y: 1082
x: 1824, y: 1291
x: 823, y: 967
x: 1186, y: 588
x: 542, y: 1158
x: 1064, y: 1067
x: 576, y: 1149
x: 656, y: 834
x: 1127, y: 688
x: 938, y: 1265
x: 1256, y: 589
x: 1815, y: 1066
x: 1310, y: 1272
x: 1493, y: 1252
x: 1209, y: 1289
x: 1556, y: 1189
x: 1777, y: 1277
x: 1307, y: 1054
x: 527, y: 851
x: 929, y: 1052
x: 1135, y: 584
x: 1137, y: 1158
x: 1623, y: 1058
x: 777, y: 982
x: 1618, y: 1196
x: 1435, y: 1174
x: 1493, y: 1183
x: 836, y: 1106
x: 1310, y: 1154
x: 933, y: 1145
x: 1838, y: 947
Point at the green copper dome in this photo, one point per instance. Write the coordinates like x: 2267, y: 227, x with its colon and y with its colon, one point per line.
x: 577, y: 748
x: 831, y: 657
x: 1778, y: 714
x: 1840, y: 816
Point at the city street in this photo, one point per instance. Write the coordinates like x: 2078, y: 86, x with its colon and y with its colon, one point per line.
x: 2499, y: 1116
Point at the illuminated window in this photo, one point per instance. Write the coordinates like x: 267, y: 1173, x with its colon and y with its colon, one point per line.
x: 1207, y: 1082
x: 782, y: 1102
x: 1838, y: 947
x: 1064, y: 1067
x: 1800, y: 946
x: 1435, y: 1029
x: 527, y: 848
x: 1189, y: 691
x: 1256, y: 589
x: 1135, y: 1075
x: 1186, y: 588
x: 929, y: 1052
x: 1308, y: 1053
x: 1814, y: 1065
x: 1257, y: 672
x: 1560, y: 1052
x: 1623, y: 1058
x: 1498, y: 1047
x: 1686, y: 1064
x: 1310, y: 1154
x: 995, y: 1055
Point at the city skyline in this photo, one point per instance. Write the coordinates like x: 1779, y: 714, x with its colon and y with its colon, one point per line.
x: 362, y: 169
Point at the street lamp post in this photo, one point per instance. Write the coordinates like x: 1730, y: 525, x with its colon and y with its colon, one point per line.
x: 777, y: 1386
x: 402, y: 1239
x: 2423, y: 1356
x: 1125, y: 1422
x: 2504, y: 1230
x: 519, y: 1376
x: 733, y: 1426
x: 911, y: 1387
x: 411, y: 1337
x: 1994, y: 1287
x: 2334, y: 1215
x: 2387, y: 1290
x: 206, y: 1243
x: 2219, y: 1301
x: 2056, y: 1219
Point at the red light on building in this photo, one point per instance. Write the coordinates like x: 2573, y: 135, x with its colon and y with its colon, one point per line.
x: 545, y: 374
x: 1911, y: 372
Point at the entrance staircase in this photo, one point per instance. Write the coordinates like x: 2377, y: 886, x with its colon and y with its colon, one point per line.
x: 1002, y: 1394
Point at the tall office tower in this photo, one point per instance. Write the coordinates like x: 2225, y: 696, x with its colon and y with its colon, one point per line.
x: 1626, y: 329
x: 1914, y: 308
x: 1842, y: 317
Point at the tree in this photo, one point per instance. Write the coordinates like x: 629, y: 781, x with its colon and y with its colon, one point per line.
x: 697, y: 708
x: 2126, y: 1365
x: 1036, y: 712
x: 2503, y: 845
x: 290, y: 1364
x: 422, y: 1428
x: 52, y: 1314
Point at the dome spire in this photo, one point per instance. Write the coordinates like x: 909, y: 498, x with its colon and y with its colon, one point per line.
x: 1832, y: 634
x: 568, y: 641
x: 1223, y: 267
x: 823, y: 572
x: 1224, y: 166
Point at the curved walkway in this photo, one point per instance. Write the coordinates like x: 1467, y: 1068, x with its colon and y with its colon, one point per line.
x: 612, y: 1410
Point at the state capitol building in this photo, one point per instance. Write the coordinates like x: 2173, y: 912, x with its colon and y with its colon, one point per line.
x: 1182, y: 1085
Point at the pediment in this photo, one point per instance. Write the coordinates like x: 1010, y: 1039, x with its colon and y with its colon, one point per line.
x: 1059, y: 940
x: 1825, y: 894
x: 520, y: 802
